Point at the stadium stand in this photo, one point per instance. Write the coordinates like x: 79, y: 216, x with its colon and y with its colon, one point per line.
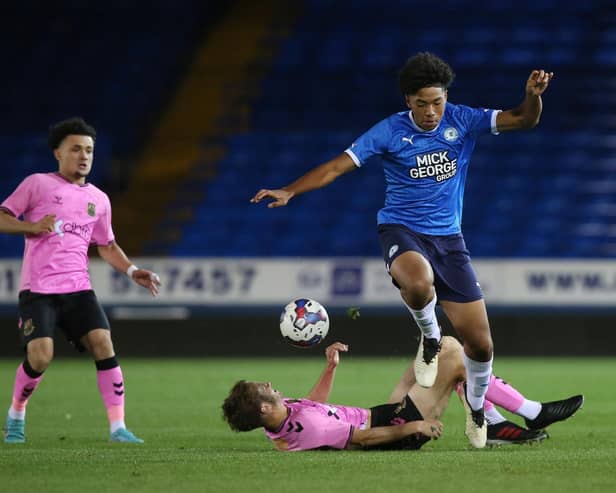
x: 115, y: 63
x: 309, y: 90
x: 544, y: 193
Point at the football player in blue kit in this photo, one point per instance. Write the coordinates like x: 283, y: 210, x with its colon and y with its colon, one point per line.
x: 425, y: 152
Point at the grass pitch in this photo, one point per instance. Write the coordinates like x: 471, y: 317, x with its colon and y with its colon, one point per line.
x: 175, y: 406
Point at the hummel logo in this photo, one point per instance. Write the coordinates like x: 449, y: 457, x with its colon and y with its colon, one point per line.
x: 408, y: 139
x: 298, y: 427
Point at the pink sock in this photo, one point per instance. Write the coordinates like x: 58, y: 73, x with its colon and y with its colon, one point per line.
x: 111, y: 387
x: 504, y: 395
x: 22, y: 390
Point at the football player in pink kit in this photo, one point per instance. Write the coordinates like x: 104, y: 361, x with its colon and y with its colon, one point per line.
x: 410, y: 419
x: 62, y: 216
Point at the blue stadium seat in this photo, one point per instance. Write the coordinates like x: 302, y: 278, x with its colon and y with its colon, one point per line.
x: 529, y: 194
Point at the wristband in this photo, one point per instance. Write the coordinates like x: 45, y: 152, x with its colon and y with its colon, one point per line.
x: 131, y: 270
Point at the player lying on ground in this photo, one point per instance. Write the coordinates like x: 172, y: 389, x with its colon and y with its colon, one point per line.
x: 425, y: 152
x: 410, y: 419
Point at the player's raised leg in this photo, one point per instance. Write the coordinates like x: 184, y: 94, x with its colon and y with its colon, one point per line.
x: 470, y: 321
x: 110, y: 383
x: 504, y: 432
x: 432, y: 402
x: 27, y: 378
x: 537, y: 415
x: 413, y: 274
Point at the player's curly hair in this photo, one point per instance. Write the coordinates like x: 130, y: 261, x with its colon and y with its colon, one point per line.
x: 242, y: 408
x: 72, y: 126
x: 424, y: 70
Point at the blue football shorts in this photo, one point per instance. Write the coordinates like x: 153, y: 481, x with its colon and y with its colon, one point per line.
x: 454, y: 276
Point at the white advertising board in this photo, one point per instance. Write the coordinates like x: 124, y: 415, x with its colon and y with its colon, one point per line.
x: 336, y: 282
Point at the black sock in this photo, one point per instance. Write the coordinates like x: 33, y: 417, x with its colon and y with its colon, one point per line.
x: 107, y: 364
x: 30, y: 371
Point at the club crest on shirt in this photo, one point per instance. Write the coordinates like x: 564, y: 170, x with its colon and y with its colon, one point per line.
x: 28, y: 327
x: 450, y: 134
x: 91, y: 209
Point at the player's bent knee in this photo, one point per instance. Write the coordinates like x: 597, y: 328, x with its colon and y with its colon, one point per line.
x: 450, y: 345
x: 481, y: 352
x: 451, y: 354
x: 487, y: 348
x: 417, y: 293
x: 98, y: 342
x: 40, y: 354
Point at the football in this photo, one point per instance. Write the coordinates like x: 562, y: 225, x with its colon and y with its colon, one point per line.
x: 304, y: 323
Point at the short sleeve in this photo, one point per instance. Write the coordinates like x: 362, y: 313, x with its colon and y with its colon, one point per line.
x: 19, y: 201
x: 102, y: 234
x: 478, y: 121
x: 375, y: 142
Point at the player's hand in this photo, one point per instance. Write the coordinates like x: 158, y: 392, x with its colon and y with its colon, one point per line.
x: 430, y: 428
x: 332, y: 353
x: 44, y: 225
x: 147, y: 279
x: 281, y: 197
x: 538, y: 82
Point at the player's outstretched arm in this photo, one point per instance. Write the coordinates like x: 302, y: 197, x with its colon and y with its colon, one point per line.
x: 115, y: 256
x: 528, y: 113
x: 10, y: 224
x: 387, y: 434
x: 316, y: 178
x: 321, y: 390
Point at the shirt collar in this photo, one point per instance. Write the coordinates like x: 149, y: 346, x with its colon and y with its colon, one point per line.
x: 418, y: 128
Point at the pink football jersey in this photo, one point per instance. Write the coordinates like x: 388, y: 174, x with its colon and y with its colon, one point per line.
x: 313, y: 425
x: 57, y: 262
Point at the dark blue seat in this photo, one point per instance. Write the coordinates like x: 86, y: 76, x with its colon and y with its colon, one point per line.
x: 528, y: 193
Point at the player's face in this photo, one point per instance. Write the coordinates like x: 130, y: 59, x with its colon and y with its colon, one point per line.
x: 75, y: 155
x: 428, y: 106
x: 267, y: 393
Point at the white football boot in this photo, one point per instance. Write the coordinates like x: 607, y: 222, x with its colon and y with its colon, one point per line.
x: 426, y: 361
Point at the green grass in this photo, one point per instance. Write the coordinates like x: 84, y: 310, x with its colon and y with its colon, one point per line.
x: 175, y: 406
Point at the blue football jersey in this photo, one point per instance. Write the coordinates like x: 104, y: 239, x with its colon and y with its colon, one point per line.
x: 425, y: 171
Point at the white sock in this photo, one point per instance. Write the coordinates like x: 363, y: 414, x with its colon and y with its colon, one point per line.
x: 477, y: 379
x: 426, y: 320
x: 13, y: 414
x: 493, y: 416
x: 529, y: 409
x: 116, y: 425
